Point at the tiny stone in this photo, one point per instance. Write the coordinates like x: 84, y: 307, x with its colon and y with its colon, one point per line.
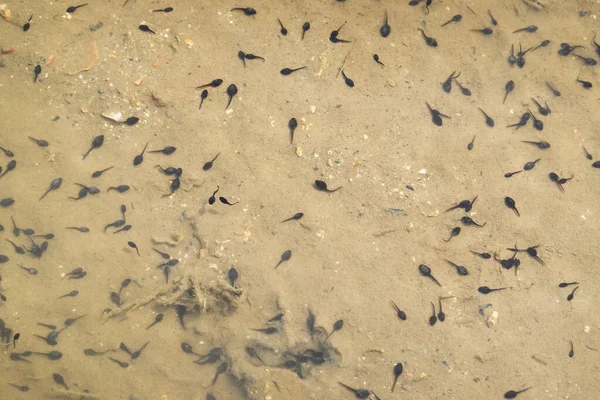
x: 391, y: 82
x: 96, y: 26
x: 313, y: 109
x: 56, y: 118
x: 422, y: 171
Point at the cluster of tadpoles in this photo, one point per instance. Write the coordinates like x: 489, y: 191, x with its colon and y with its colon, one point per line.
x: 447, y: 86
x: 166, y: 266
x: 215, y: 355
x: 232, y: 89
x: 296, y: 360
x: 35, y: 249
x: 120, y: 224
x: 52, y: 338
x: 366, y: 393
x: 115, y: 297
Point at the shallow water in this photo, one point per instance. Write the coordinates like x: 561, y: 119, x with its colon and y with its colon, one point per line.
x: 352, y: 252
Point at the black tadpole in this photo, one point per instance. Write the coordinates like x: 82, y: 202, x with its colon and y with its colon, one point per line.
x: 134, y: 246
x: 242, y: 56
x: 456, y: 18
x: 267, y: 331
x: 60, y: 380
x: 484, y: 31
x: 466, y: 220
x: 540, y: 145
x: 511, y: 394
x: 339, y: 324
x: 322, y: 186
x: 461, y: 270
x: 7, y: 152
x: 203, y: 97
x: 358, y: 393
x: 276, y: 318
x: 285, y: 256
x: 487, y: 290
x: 98, y: 174
x: 72, y: 9
x: 214, y: 83
x: 288, y: 71
x: 251, y: 351
x: 140, y: 157
x: 432, y: 318
x: 471, y: 143
x: 40, y: 142
x: 249, y: 11
x: 431, y: 42
x: 542, y: 110
x: 530, y: 29
x: 36, y: 72
x: 485, y: 256
x: 572, y: 294
x: 426, y: 271
x: 292, y: 125
x: 530, y: 164
x: 225, y: 201
x: 436, y: 115
x: 305, y: 28
x: 130, y: 121
x: 349, y: 82
x: 398, y: 368
x: 572, y: 351
x: 208, y: 165
x: 509, y: 87
x: 385, y: 29
x: 510, y: 203
x: 585, y: 84
x: 295, y: 217
x: 54, y: 185
x: 537, y: 123
x: 12, y: 164
x: 96, y: 143
x: 282, y: 29
x: 554, y: 91
x: 447, y: 84
x: 162, y: 254
x: 441, y: 316
x: 232, y: 275
x: 401, y: 314
x: 212, y: 199
x: 167, y: 151
x: 146, y: 28
x: 232, y: 90
x: 120, y: 188
x: 454, y: 232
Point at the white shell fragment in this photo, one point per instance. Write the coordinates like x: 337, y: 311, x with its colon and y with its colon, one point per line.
x: 113, y: 116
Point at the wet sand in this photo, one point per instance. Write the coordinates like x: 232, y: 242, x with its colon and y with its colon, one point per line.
x: 352, y: 252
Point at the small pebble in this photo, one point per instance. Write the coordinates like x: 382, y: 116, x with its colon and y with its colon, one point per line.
x: 96, y: 26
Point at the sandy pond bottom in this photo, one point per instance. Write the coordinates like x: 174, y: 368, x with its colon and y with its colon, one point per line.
x: 353, y: 251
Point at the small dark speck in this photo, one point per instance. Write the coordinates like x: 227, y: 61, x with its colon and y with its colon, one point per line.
x: 410, y: 188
